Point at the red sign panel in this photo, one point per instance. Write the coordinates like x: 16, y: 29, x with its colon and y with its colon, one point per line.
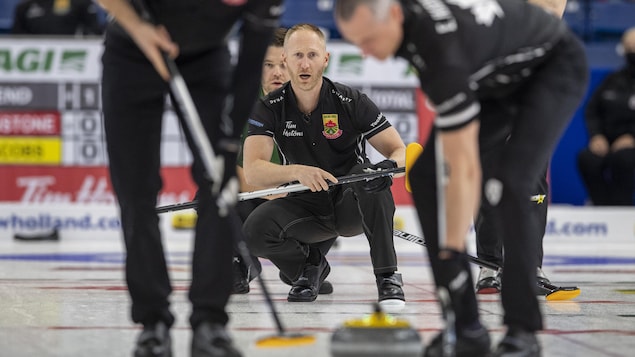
x: 35, y: 123
x: 86, y: 185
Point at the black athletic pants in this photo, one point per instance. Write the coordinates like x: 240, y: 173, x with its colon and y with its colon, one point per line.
x: 610, y: 179
x: 546, y: 102
x: 489, y: 239
x: 244, y: 209
x: 133, y: 101
x: 281, y: 230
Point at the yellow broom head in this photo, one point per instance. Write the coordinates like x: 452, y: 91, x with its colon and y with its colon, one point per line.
x: 285, y: 340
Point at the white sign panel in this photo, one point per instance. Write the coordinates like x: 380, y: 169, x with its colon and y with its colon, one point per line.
x: 49, y: 60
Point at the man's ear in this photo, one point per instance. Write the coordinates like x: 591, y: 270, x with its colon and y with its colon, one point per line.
x: 396, y: 12
x: 619, y: 49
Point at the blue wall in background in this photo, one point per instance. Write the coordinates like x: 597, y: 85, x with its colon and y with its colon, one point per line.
x: 566, y: 184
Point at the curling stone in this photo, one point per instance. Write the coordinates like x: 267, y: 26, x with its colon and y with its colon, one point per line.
x: 376, y: 335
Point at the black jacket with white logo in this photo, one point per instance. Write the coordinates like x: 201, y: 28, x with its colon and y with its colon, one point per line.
x: 465, y: 50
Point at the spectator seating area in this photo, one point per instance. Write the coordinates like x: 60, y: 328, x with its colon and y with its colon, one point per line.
x: 595, y: 20
x: 317, y: 12
x: 600, y: 23
x: 7, y: 9
x: 6, y: 14
x: 592, y: 20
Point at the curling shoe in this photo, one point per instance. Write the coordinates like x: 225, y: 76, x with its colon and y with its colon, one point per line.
x: 325, y: 289
x: 307, y: 287
x: 243, y: 274
x: 212, y: 340
x: 541, y: 280
x: 518, y: 343
x: 389, y: 291
x: 154, y: 341
x: 240, y: 274
x: 469, y: 343
x: 488, y: 282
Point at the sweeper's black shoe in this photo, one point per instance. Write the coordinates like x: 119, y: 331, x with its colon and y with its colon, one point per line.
x: 240, y: 275
x: 488, y: 282
x: 469, y: 343
x: 389, y: 290
x: 244, y: 273
x: 325, y: 289
x: 212, y: 340
x: 307, y: 287
x: 542, y: 280
x: 518, y: 343
x: 154, y: 341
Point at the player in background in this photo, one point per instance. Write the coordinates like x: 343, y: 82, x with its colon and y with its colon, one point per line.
x: 320, y: 128
x: 274, y: 75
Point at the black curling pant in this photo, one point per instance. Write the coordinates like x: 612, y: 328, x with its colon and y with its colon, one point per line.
x: 610, y: 179
x: 492, y: 140
x: 545, y: 103
x: 133, y: 100
x: 281, y: 230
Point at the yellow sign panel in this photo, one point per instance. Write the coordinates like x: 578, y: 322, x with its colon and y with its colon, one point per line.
x: 30, y: 150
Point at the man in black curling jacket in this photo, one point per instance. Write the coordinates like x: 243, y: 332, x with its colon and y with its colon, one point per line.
x: 134, y: 86
x: 321, y: 129
x: 476, y: 60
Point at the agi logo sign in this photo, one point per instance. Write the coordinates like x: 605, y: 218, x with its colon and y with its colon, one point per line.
x: 29, y: 60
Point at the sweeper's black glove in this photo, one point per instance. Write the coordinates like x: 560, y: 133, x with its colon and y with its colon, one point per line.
x: 376, y: 184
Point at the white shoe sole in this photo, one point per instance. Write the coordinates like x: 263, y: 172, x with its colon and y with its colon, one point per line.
x: 392, y: 305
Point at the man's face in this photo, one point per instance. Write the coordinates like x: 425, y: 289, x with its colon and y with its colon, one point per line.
x: 306, y: 58
x: 379, y: 38
x: 274, y: 71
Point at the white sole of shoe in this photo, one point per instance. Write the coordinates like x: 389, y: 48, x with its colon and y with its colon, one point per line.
x: 392, y: 305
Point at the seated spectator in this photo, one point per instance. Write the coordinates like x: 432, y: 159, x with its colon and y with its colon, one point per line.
x: 607, y: 166
x: 56, y: 17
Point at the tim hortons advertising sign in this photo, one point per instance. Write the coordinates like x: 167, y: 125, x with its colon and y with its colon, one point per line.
x: 83, y: 185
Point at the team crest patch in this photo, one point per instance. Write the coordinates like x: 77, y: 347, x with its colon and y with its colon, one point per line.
x: 331, y: 126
